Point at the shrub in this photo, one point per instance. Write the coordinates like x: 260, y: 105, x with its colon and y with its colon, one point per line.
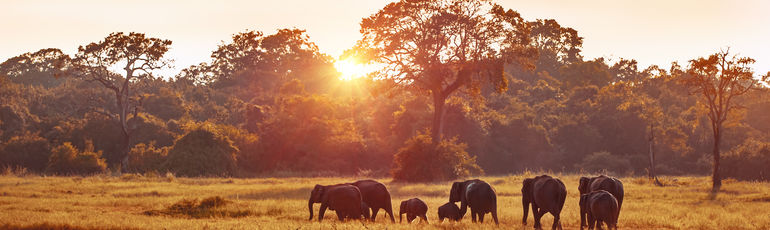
x: 166, y: 104
x: 66, y: 159
x: 206, y: 208
x: 604, y: 161
x: 146, y: 158
x: 147, y: 128
x: 748, y: 161
x: 420, y: 160
x: 202, y: 152
x: 29, y: 151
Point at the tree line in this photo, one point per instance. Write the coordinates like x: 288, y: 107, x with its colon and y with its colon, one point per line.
x: 465, y: 87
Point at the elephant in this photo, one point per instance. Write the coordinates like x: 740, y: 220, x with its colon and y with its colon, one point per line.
x: 376, y: 195
x: 413, y: 208
x: 599, y: 206
x: 345, y: 199
x: 601, y: 182
x: 476, y: 194
x: 547, y: 195
x: 449, y: 210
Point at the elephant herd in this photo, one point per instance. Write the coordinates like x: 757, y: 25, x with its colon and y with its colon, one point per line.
x: 601, y: 198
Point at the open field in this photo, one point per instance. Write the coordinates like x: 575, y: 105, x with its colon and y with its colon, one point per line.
x: 281, y: 203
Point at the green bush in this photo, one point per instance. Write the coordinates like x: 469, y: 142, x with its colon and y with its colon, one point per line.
x: 166, y: 104
x: 147, y: 128
x: 748, y: 161
x: 604, y: 161
x: 420, y: 160
x: 202, y: 152
x: 29, y: 151
x: 146, y: 158
x: 66, y: 160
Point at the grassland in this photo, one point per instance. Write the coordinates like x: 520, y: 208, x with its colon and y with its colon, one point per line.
x: 138, y: 202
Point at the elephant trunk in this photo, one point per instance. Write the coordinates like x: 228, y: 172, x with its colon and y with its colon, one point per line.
x: 525, y: 204
x: 310, y: 208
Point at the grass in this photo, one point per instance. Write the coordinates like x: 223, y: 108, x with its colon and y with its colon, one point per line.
x: 153, y: 202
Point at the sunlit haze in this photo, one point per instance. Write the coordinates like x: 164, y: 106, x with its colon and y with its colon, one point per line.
x: 652, y: 32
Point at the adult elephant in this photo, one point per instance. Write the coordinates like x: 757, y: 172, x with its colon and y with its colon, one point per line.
x: 376, y: 195
x: 601, y: 182
x: 547, y: 195
x: 476, y: 194
x: 345, y: 199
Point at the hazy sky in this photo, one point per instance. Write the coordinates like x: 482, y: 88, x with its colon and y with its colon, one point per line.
x: 651, y: 31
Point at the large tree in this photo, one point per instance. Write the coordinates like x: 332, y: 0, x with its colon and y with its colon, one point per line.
x: 720, y: 78
x: 136, y: 57
x: 441, y: 46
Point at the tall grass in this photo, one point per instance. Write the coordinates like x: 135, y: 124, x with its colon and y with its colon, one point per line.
x: 107, y: 202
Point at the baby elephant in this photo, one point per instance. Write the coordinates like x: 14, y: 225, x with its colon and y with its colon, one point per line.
x: 413, y: 208
x: 449, y: 210
x: 599, y: 206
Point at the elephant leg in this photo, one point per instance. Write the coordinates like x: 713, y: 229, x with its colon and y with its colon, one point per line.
x: 591, y: 221
x: 473, y: 215
x: 321, y: 212
x: 341, y: 215
x: 599, y: 224
x: 494, y: 216
x: 481, y: 216
x: 540, y: 213
x: 389, y: 210
x: 556, y: 223
x: 424, y: 219
x: 410, y: 217
x: 374, y: 213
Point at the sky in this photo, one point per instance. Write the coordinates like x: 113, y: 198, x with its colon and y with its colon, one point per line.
x: 652, y: 31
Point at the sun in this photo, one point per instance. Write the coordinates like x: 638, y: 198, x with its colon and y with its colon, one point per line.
x: 350, y: 70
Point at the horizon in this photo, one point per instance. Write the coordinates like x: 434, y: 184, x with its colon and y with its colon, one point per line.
x: 198, y: 27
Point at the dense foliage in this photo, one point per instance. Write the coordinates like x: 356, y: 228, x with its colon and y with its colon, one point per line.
x: 273, y: 104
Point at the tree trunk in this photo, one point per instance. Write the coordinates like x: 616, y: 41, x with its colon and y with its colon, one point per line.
x: 437, y: 129
x: 123, y: 104
x: 652, y: 173
x: 716, y: 177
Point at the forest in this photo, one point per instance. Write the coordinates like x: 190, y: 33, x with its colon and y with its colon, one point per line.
x: 479, y: 91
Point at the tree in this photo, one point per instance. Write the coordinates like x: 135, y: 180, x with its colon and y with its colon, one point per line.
x: 36, y: 68
x: 135, y: 54
x: 556, y: 45
x: 440, y: 46
x: 720, y: 78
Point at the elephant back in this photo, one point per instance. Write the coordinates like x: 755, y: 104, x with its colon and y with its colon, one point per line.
x: 480, y: 193
x: 611, y: 185
x: 344, y: 197
x: 373, y: 192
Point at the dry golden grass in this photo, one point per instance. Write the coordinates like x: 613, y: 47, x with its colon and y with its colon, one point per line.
x: 104, y: 202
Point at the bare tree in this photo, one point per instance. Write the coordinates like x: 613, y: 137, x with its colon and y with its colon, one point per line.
x: 136, y: 55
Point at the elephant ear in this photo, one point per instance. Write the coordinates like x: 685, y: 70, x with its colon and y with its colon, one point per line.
x: 583, y: 187
x: 454, y: 193
x: 526, y: 185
